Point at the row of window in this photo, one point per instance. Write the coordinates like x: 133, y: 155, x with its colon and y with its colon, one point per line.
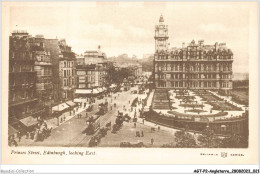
x: 23, y: 55
x: 43, y: 58
x: 196, y: 67
x: 24, y: 80
x: 21, y: 68
x: 68, y: 72
x: 68, y: 82
x: 195, y: 84
x: 21, y: 95
x: 194, y: 76
x: 193, y: 56
x: 67, y: 64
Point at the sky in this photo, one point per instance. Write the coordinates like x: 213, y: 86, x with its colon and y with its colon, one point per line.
x: 129, y: 27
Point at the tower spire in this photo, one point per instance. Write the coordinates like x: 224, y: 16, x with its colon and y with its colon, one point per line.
x: 161, y: 18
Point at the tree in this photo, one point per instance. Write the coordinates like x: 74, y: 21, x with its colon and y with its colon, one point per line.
x: 184, y: 139
x: 209, y: 139
x: 235, y: 141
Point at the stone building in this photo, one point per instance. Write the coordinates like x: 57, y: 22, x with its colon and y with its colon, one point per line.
x: 95, y: 57
x: 195, y: 66
x: 43, y: 68
x: 63, y: 69
x: 22, y: 104
x: 92, y: 76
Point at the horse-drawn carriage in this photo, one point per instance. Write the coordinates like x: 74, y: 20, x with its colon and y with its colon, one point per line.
x: 118, y: 123
x: 42, y: 133
x: 95, y: 140
x: 93, y: 125
x: 90, y: 108
x: 103, y: 108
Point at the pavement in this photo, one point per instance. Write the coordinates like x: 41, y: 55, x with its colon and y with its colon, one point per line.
x: 69, y: 133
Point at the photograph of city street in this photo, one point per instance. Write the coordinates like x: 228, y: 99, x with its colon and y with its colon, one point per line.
x: 129, y: 76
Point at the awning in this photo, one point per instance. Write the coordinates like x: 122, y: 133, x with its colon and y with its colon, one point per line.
x: 100, y: 89
x: 11, y: 131
x: 29, y: 121
x: 83, y: 91
x: 95, y: 91
x: 60, y: 107
x: 70, y: 103
x: 77, y: 100
x: 112, y: 86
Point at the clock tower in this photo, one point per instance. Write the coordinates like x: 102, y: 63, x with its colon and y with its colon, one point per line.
x: 161, y: 36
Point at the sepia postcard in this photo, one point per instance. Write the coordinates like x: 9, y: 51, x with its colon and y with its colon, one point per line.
x: 129, y: 83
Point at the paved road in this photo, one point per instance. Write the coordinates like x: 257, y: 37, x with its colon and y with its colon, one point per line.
x: 70, y: 132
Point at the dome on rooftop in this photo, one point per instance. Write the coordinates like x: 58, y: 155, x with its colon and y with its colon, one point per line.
x: 161, y: 19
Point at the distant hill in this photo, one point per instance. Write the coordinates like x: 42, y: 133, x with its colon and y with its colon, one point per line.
x: 240, y: 76
x: 147, y: 63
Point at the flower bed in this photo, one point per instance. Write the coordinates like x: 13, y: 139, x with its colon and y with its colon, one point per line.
x: 192, y: 105
x: 225, y: 106
x: 196, y: 110
x: 220, y: 114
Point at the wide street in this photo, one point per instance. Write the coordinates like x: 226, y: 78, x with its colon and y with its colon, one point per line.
x: 69, y: 134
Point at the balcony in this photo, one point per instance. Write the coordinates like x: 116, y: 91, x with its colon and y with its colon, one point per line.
x: 43, y: 63
x: 21, y: 101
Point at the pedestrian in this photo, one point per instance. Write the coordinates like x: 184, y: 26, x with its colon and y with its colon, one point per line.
x: 19, y: 136
x: 143, y: 120
x: 27, y: 135
x: 152, y: 141
x: 158, y: 128
x: 32, y: 135
x: 86, y: 114
x: 142, y: 134
x: 135, y: 125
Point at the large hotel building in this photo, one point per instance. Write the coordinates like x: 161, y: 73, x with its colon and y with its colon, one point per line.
x: 195, y: 66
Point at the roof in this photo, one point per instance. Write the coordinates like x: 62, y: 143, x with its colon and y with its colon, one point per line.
x: 29, y: 121
x: 60, y: 107
x: 11, y: 130
x: 70, y: 103
x: 161, y: 19
x: 83, y: 91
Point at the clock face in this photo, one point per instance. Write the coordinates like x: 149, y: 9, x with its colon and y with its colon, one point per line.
x: 161, y: 32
